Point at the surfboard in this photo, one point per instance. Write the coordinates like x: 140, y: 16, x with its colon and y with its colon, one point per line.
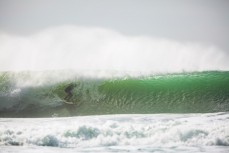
x: 72, y: 103
x: 68, y: 102
x: 59, y: 91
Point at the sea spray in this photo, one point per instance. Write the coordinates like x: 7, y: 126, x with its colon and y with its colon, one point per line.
x: 83, y: 48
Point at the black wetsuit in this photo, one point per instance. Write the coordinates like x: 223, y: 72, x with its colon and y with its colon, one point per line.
x: 68, y: 90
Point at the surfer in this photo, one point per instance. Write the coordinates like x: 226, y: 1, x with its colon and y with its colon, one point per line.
x: 68, y: 91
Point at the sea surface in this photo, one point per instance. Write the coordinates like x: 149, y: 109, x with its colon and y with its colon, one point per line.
x: 177, y: 112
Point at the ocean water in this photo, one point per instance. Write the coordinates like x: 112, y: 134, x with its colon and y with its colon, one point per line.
x: 177, y: 112
x: 117, y: 133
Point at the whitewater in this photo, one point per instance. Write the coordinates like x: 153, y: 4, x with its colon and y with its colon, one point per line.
x: 132, y: 94
x: 118, y: 133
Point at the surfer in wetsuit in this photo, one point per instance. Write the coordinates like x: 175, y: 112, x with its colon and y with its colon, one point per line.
x: 68, y: 91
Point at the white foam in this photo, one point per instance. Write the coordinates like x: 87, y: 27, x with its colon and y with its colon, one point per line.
x: 94, y: 50
x: 121, y: 131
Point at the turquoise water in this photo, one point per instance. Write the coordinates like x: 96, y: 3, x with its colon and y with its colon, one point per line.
x: 197, y: 92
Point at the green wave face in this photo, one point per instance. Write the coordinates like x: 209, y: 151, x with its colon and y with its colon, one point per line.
x: 171, y: 93
x: 182, y: 93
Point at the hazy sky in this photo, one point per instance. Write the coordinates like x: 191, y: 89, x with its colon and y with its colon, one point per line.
x: 202, y: 21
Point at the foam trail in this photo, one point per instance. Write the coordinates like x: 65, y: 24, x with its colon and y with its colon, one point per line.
x: 83, y: 48
x: 120, y: 133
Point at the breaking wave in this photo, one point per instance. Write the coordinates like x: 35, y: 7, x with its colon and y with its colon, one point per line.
x: 41, y: 94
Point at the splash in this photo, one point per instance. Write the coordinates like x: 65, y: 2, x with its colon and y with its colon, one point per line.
x: 96, y: 49
x: 121, y: 131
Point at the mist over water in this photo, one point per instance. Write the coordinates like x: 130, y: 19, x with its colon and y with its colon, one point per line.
x: 193, y: 106
x: 96, y: 49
